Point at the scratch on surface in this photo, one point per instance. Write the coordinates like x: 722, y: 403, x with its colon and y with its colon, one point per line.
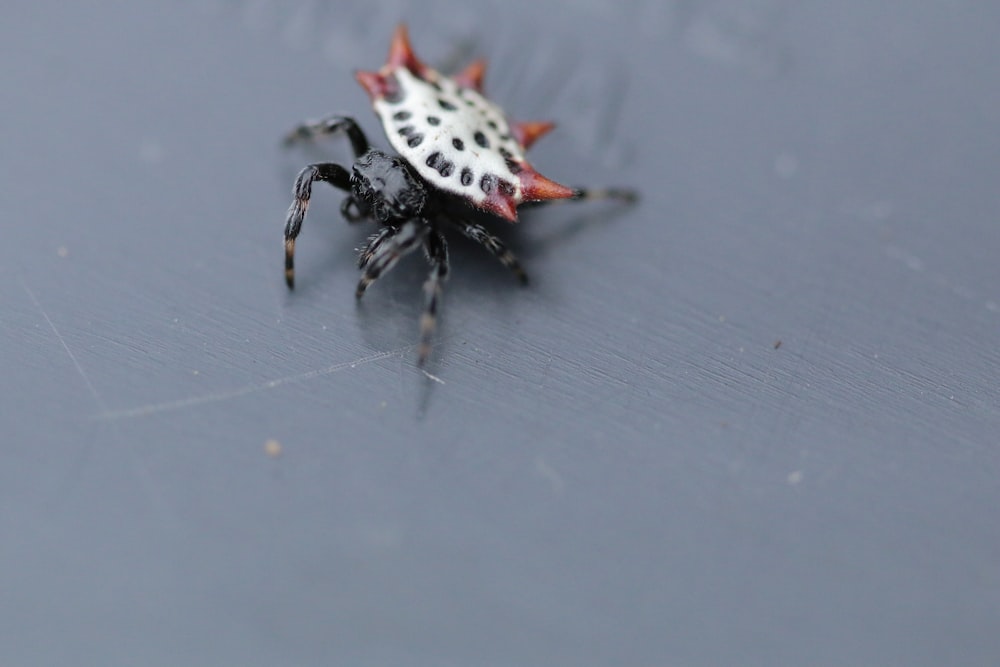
x: 142, y: 473
x: 62, y: 341
x: 433, y: 377
x: 153, y: 408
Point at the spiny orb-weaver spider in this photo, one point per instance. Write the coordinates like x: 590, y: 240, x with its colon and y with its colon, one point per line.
x: 455, y: 149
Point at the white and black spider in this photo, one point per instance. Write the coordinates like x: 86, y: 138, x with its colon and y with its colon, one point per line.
x: 456, y: 149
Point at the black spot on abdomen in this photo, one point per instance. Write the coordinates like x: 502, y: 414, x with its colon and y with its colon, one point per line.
x: 467, y: 177
x: 481, y: 139
x: 438, y: 162
x: 488, y: 183
x: 414, y: 138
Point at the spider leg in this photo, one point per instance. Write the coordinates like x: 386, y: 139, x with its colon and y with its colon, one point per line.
x: 374, y: 241
x: 327, y: 172
x: 388, y: 250
x: 436, y: 249
x: 586, y: 194
x: 495, y: 246
x: 316, y: 129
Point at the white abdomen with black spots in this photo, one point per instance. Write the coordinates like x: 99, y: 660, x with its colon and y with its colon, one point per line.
x: 454, y: 137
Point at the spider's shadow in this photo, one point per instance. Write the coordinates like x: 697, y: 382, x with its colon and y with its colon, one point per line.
x: 395, y: 303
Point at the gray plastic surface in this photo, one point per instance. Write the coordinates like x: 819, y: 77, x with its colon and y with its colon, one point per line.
x: 752, y: 420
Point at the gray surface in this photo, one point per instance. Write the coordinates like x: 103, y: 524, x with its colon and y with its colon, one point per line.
x: 617, y: 466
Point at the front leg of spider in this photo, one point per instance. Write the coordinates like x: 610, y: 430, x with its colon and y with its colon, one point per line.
x: 326, y: 172
x: 317, y: 129
x: 374, y: 241
x: 314, y: 130
x: 436, y: 249
x: 390, y: 249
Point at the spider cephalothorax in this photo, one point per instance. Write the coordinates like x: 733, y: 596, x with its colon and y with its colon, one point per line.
x: 453, y: 144
x: 387, y: 187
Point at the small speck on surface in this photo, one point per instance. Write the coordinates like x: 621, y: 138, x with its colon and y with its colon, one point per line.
x: 62, y: 251
x: 795, y: 477
x: 273, y: 448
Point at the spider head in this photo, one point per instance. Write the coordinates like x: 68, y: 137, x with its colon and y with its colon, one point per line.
x: 388, y: 187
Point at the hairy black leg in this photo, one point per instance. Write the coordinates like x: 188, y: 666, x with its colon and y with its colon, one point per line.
x: 586, y: 194
x: 496, y: 247
x: 437, y: 254
x: 327, y: 172
x: 374, y: 241
x: 312, y: 130
x: 388, y: 251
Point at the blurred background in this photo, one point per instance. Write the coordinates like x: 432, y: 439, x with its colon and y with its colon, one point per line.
x: 751, y: 420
